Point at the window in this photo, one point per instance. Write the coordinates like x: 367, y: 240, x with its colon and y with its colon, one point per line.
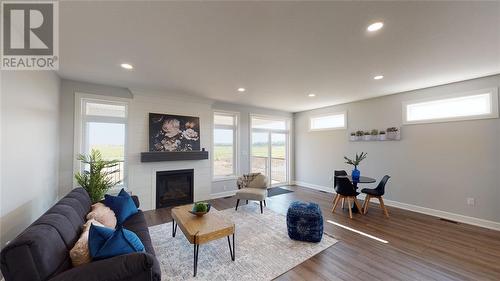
x: 104, y: 127
x: 225, y: 132
x: 328, y: 122
x: 270, y: 148
x: 476, y: 105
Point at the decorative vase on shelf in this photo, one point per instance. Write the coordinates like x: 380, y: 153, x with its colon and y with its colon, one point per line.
x: 355, y: 174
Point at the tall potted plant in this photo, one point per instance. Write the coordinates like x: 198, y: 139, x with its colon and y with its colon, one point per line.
x: 356, y: 173
x: 98, y: 179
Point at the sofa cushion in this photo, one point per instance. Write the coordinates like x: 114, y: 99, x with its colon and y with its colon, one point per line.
x: 105, y: 242
x: 122, y: 205
x: 137, y: 224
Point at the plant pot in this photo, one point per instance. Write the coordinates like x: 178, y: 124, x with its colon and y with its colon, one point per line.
x: 355, y: 175
x: 353, y: 138
x: 381, y: 137
x: 367, y: 137
x: 393, y: 135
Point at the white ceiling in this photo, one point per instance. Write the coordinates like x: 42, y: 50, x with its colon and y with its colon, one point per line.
x: 279, y: 51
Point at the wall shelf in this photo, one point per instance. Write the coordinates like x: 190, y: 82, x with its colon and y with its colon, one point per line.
x: 173, y: 156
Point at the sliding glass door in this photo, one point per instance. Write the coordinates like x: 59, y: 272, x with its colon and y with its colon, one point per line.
x: 270, y: 148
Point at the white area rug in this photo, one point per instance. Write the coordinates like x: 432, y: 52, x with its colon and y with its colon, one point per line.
x: 263, y: 249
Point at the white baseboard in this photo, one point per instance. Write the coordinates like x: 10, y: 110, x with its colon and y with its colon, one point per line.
x: 313, y: 186
x: 223, y: 194
x: 423, y: 210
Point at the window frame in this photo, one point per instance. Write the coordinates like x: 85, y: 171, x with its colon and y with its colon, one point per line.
x: 493, y: 92
x: 325, y: 115
x: 81, y: 130
x: 289, y: 143
x: 236, y: 136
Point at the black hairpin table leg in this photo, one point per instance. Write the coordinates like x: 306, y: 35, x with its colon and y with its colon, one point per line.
x: 231, y: 249
x: 174, y: 228
x: 196, y: 251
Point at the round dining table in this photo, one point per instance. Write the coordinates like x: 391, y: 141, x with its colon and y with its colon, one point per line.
x: 362, y: 179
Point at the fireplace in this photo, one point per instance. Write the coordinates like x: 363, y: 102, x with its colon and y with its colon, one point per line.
x: 174, y: 188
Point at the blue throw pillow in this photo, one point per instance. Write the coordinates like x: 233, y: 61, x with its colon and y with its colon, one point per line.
x: 105, y: 242
x: 122, y: 205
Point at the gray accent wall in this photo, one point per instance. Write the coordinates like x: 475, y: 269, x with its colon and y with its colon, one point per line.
x: 29, y: 110
x: 436, y: 166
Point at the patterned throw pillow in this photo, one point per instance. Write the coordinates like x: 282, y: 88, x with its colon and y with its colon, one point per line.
x: 80, y: 253
x: 102, y: 214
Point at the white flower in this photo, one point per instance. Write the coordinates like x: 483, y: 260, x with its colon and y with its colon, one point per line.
x: 190, y: 134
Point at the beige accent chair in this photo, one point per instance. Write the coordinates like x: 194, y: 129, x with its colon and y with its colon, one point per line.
x: 253, y: 187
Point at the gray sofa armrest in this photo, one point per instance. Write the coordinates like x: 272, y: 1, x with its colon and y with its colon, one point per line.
x: 132, y: 267
x: 136, y: 200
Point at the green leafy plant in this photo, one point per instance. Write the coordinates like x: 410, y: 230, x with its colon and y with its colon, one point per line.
x: 200, y: 207
x: 98, y: 179
x: 353, y: 134
x: 359, y: 133
x: 392, y: 129
x: 374, y: 132
x: 357, y: 160
x: 367, y: 133
x: 382, y: 132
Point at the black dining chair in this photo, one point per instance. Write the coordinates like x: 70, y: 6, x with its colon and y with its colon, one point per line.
x: 345, y: 190
x: 377, y: 192
x: 337, y: 173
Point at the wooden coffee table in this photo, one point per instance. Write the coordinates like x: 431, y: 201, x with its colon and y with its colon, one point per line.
x: 201, y: 230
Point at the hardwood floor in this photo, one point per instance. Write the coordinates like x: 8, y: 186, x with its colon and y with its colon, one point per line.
x: 419, y: 247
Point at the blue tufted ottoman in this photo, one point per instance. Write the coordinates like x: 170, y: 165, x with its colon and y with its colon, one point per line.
x: 304, y: 221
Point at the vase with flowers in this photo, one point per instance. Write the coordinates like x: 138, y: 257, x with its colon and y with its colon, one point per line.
x: 355, y: 162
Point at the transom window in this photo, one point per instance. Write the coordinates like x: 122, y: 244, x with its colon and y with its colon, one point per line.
x: 225, y: 144
x: 328, y: 122
x: 476, y: 105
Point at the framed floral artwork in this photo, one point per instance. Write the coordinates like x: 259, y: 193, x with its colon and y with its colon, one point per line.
x: 173, y: 132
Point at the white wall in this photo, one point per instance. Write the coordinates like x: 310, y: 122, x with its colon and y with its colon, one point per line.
x: 227, y: 187
x: 434, y: 166
x: 142, y: 176
x: 29, y: 148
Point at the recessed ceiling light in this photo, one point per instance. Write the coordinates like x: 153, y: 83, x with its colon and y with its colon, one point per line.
x: 378, y: 77
x: 241, y: 90
x: 311, y: 95
x: 127, y: 66
x: 375, y: 26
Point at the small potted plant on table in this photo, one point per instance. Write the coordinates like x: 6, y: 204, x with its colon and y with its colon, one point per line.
x: 374, y: 134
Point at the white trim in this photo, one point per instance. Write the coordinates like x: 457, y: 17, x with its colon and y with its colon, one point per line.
x: 493, y: 106
x: 443, y: 214
x: 223, y: 194
x: 326, y: 115
x: 314, y: 186
x: 236, y: 143
x: 289, y: 142
x: 79, y: 144
x: 228, y: 178
x: 423, y: 210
